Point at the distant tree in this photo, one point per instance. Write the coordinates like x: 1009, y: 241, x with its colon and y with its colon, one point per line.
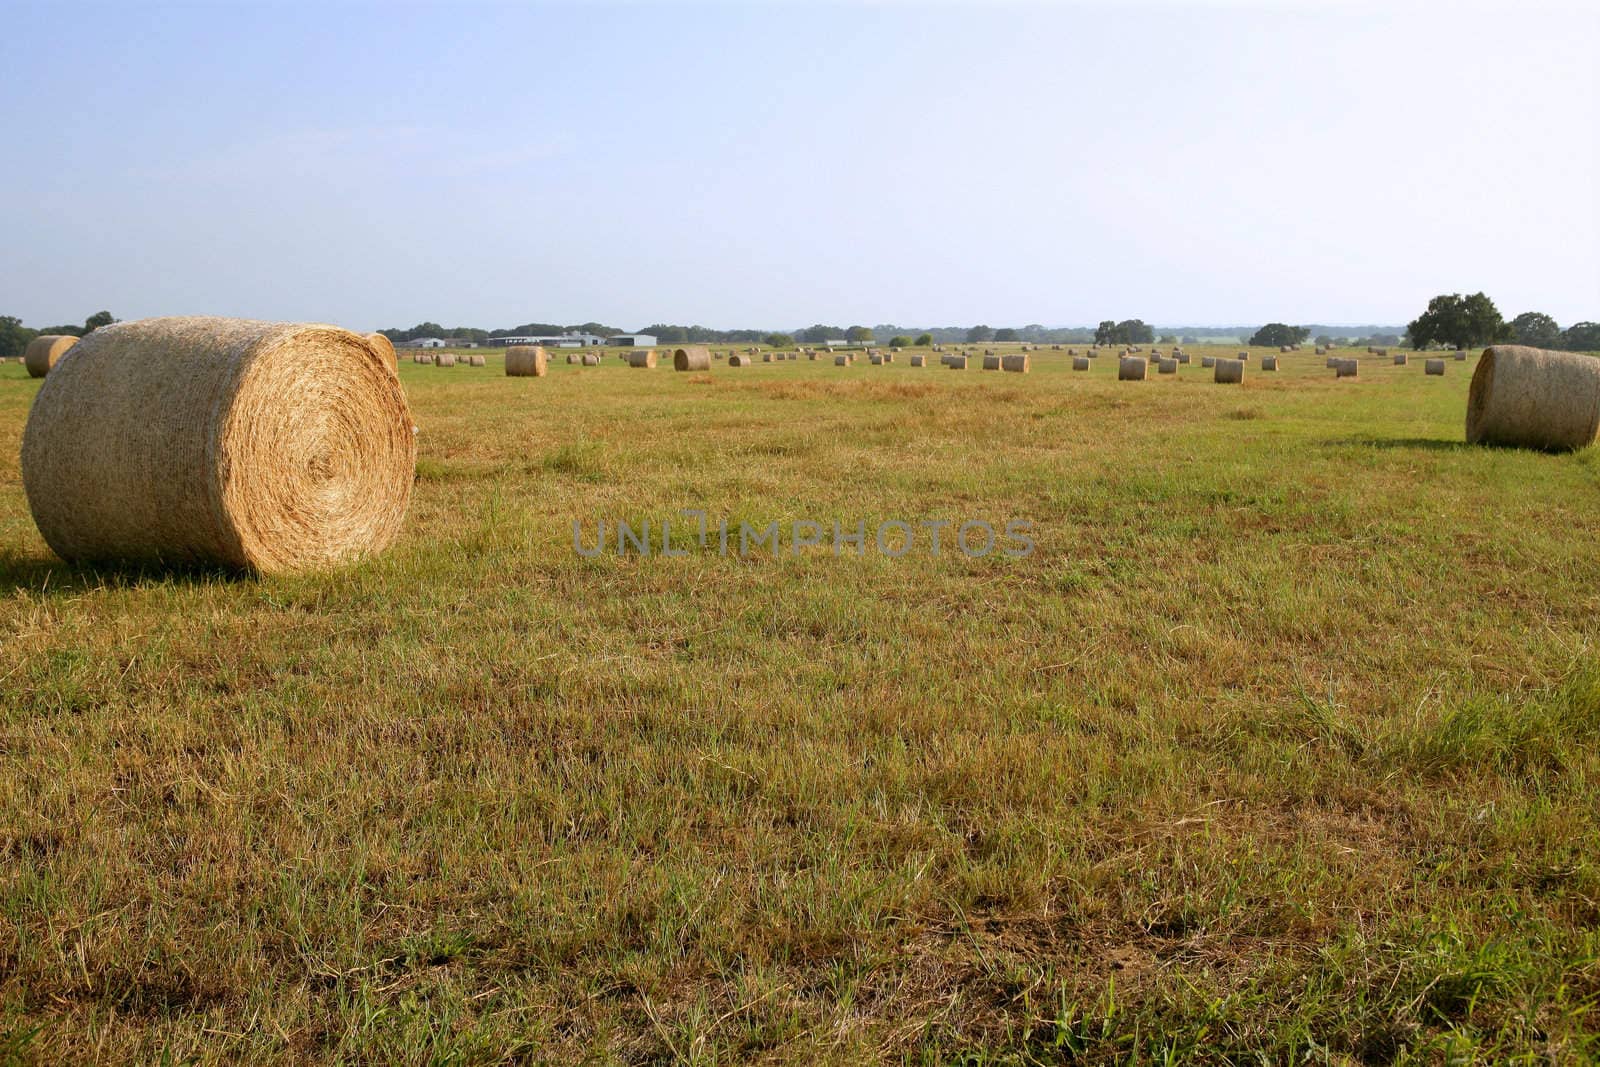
x: 900, y: 341
x: 1169, y: 339
x: 815, y: 335
x: 1274, y: 334
x: 66, y: 329
x: 1007, y: 334
x: 1105, y: 333
x: 1582, y: 337
x: 1134, y: 332
x: 1324, y: 339
x: 779, y: 340
x: 858, y: 334
x: 979, y: 334
x: 1536, y: 329
x: 14, y: 336
x: 924, y: 340
x: 1464, y: 322
x: 97, y: 320
x: 1191, y: 340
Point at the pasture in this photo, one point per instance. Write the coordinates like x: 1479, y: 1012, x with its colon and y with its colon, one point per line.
x: 1282, y: 744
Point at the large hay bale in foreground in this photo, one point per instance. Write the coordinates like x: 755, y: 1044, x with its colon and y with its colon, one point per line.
x: 257, y: 445
x: 1530, y: 398
x: 691, y: 357
x: 1015, y: 364
x: 641, y: 357
x: 383, y: 346
x: 1433, y: 366
x: 527, y: 361
x: 43, y: 352
x: 1080, y: 362
x: 1131, y: 369
x: 1229, y: 372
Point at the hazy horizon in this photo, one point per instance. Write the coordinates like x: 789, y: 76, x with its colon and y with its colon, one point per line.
x: 763, y: 166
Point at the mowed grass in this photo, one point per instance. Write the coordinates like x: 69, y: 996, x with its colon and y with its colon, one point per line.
x: 1283, y: 744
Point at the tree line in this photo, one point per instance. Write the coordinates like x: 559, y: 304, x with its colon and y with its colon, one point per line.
x: 14, y: 336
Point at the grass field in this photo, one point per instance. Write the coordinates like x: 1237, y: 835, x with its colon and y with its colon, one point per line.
x: 1282, y: 745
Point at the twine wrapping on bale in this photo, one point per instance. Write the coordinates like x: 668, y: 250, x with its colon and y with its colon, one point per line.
x: 1269, y: 362
x: 44, y: 351
x: 528, y: 361
x: 641, y: 357
x: 1229, y: 372
x: 1347, y: 368
x: 1080, y: 362
x: 383, y: 346
x: 693, y: 357
x: 1015, y: 364
x: 1526, y: 397
x: 263, y: 446
x: 589, y: 359
x: 1131, y: 369
x: 1433, y: 366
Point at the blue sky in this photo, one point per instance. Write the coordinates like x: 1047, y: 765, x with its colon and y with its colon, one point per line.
x: 782, y: 164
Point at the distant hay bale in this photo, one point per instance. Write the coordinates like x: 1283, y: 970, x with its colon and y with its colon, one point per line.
x: 589, y: 359
x: 383, y: 346
x: 734, y: 360
x: 1529, y: 398
x: 529, y: 361
x: 641, y: 357
x: 1080, y: 362
x: 43, y: 352
x: 1461, y: 356
x: 1181, y: 357
x: 261, y: 446
x: 811, y: 356
x: 477, y: 361
x: 1166, y: 366
x: 1283, y: 349
x: 1319, y: 351
x: 958, y: 363
x: 1347, y: 368
x: 918, y: 361
x: 1269, y: 362
x: 445, y: 359
x: 1131, y: 369
x: 991, y: 362
x: 1229, y: 372
x: 875, y: 359
x: 1208, y: 361
x: 1381, y: 352
x: 571, y: 359
x: 1333, y: 361
x: 1243, y: 355
x: 841, y: 361
x: 421, y: 357
x: 766, y: 357
x: 691, y: 357
x: 1015, y: 364
x: 1400, y: 359
x: 1433, y: 366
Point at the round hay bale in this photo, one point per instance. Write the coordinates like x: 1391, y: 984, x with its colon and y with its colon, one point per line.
x: 1243, y: 355
x: 958, y: 363
x: 529, y: 361
x: 571, y: 359
x: 256, y: 445
x: 1131, y: 369
x: 1229, y: 372
x: 1283, y: 349
x: 641, y: 357
x: 766, y: 357
x: 918, y: 361
x: 1381, y: 352
x: 1208, y: 361
x: 991, y: 362
x: 875, y: 359
x: 1269, y: 362
x: 1461, y: 356
x: 1433, y: 366
x: 44, y: 351
x: 589, y: 359
x: 421, y: 357
x: 477, y: 361
x: 1080, y: 362
x: 1347, y: 368
x: 383, y: 346
x: 1333, y: 361
x: 1181, y: 357
x: 1015, y: 364
x: 1400, y: 359
x: 1166, y: 366
x: 1527, y: 397
x: 841, y: 361
x: 734, y: 360
x: 692, y: 357
x: 811, y: 355
x: 1319, y: 351
x: 445, y: 359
